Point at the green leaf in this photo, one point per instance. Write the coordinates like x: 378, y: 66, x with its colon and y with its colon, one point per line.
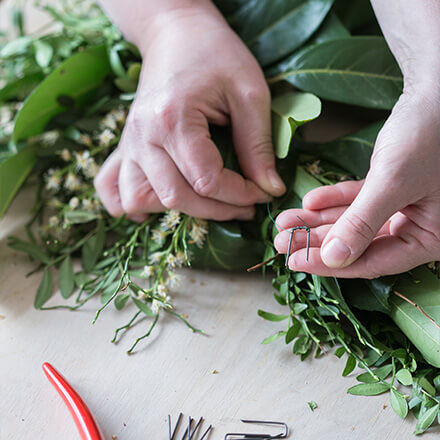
x: 340, y: 351
x: 76, y: 77
x: 349, y: 366
x: 13, y: 172
x: 274, y: 28
x: 293, y: 331
x: 77, y: 217
x: 33, y: 250
x: 404, y: 377
x: 92, y: 248
x: 368, y: 389
x: 121, y: 301
x: 331, y: 29
x: 66, y: 278
x: 427, y: 419
x: 143, y: 307
x: 312, y: 405
x: 44, y: 291
x: 352, y: 152
x: 381, y: 373
x: 273, y: 338
x: 399, y: 403
x: 423, y: 333
x: 357, y: 70
x: 271, y: 316
x: 290, y: 111
x: 15, y: 47
x: 19, y: 89
x: 43, y: 53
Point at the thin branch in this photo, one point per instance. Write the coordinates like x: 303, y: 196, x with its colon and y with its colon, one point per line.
x: 417, y: 307
x: 263, y: 263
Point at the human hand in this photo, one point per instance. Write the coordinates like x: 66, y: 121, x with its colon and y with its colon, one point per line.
x: 388, y: 223
x: 196, y: 71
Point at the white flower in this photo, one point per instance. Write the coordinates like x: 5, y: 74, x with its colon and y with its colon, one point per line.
x: 156, y: 306
x: 82, y: 159
x: 180, y: 259
x: 141, y: 295
x: 88, y: 205
x: 74, y: 202
x: 50, y: 138
x: 173, y: 279
x: 106, y: 137
x: 162, y: 291
x: 85, y: 139
x: 54, y: 202
x: 72, y: 182
x: 109, y: 122
x: 53, y: 180
x: 5, y: 115
x: 171, y: 261
x: 155, y: 258
x: 8, y: 128
x: 170, y: 220
x: 53, y: 221
x: 199, y: 231
x: 119, y: 115
x: 159, y: 235
x: 91, y: 168
x: 147, y: 271
x: 65, y: 155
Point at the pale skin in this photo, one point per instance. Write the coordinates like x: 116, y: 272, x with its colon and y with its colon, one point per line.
x: 197, y: 71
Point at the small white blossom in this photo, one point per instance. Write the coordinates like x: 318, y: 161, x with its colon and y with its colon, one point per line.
x: 156, y: 306
x: 8, y: 128
x: 50, y: 138
x: 65, y: 155
x: 53, y: 221
x: 81, y: 159
x: 147, y: 271
x: 109, y: 122
x: 199, y: 231
x: 180, y: 259
x: 119, y: 115
x: 72, y: 182
x: 53, y: 180
x: 155, y: 258
x: 159, y: 235
x: 106, y: 137
x: 5, y: 115
x: 141, y: 295
x: 170, y: 220
x: 162, y: 291
x: 54, y: 202
x: 74, y: 202
x: 85, y: 139
x: 173, y: 280
x: 91, y: 169
x: 171, y: 261
x: 88, y: 205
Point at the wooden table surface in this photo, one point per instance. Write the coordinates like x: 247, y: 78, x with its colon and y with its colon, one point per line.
x: 173, y: 371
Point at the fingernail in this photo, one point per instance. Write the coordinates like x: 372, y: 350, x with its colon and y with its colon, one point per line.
x: 335, y: 253
x: 275, y: 181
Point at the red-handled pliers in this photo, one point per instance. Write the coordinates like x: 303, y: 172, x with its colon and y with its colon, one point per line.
x: 84, y: 420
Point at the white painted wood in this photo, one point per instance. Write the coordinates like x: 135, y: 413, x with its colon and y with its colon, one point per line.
x: 173, y: 371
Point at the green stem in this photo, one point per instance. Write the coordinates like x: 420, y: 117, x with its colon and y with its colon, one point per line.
x: 144, y: 336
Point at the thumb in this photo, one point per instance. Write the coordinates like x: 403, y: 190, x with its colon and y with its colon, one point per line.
x: 251, y: 129
x: 355, y: 229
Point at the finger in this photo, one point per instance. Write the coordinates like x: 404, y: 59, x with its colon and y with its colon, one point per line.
x: 387, y: 255
x: 174, y: 191
x: 200, y: 162
x: 328, y: 196
x: 296, y: 217
x: 299, y: 239
x: 107, y: 187
x: 137, y: 194
x: 355, y: 229
x: 251, y: 128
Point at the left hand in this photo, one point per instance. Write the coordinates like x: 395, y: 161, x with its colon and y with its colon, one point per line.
x: 389, y: 223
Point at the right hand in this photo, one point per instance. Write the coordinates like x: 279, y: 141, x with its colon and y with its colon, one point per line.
x: 196, y: 71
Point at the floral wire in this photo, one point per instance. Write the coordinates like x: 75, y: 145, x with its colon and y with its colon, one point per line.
x: 291, y: 231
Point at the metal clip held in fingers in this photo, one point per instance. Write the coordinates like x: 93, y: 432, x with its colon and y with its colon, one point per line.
x: 306, y: 228
x: 244, y: 436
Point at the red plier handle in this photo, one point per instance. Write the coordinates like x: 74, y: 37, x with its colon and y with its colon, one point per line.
x: 84, y: 420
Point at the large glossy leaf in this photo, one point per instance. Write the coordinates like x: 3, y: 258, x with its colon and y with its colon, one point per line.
x: 289, y: 111
x: 352, y: 152
x: 76, y: 78
x: 13, y: 172
x: 274, y: 28
x: 357, y: 70
x: 227, y: 247
x: 422, y: 287
x: 331, y: 29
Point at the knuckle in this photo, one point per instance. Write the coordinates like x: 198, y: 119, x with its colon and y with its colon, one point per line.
x: 360, y: 226
x: 255, y: 93
x: 207, y: 185
x: 166, y: 116
x: 171, y: 200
